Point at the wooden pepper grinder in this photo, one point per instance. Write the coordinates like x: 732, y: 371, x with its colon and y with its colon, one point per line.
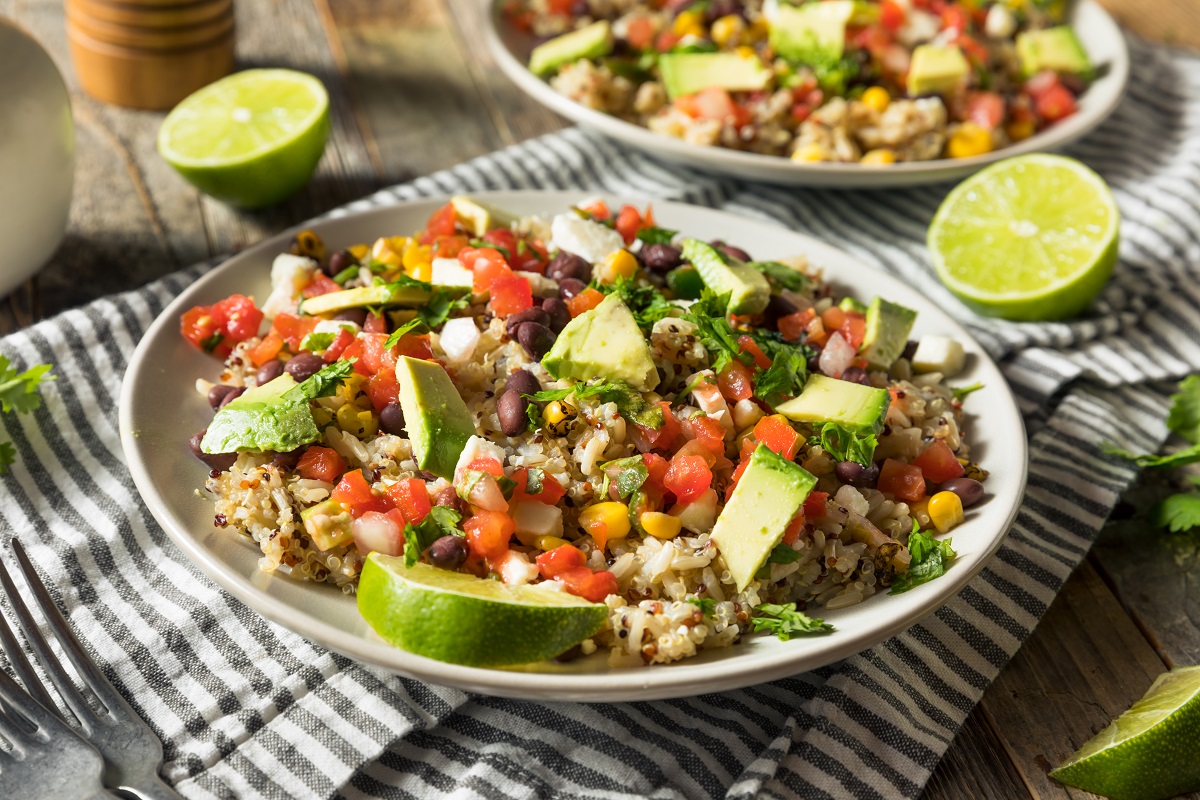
x: 149, y: 53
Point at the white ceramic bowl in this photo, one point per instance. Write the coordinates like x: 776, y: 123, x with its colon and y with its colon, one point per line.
x: 1096, y: 29
x: 37, y: 156
x: 163, y: 371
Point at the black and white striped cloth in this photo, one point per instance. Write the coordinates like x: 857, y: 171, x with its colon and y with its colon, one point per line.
x: 247, y: 709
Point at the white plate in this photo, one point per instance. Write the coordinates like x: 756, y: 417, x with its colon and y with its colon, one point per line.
x: 1096, y: 29
x: 164, y: 368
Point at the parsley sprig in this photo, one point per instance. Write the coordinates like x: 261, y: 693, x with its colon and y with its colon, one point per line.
x: 843, y: 444
x: 785, y: 621
x: 647, y: 304
x: 18, y: 392
x: 1184, y: 420
x: 930, y: 557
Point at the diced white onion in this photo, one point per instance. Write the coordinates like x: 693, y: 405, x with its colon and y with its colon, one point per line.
x: 836, y: 356
x: 458, y: 339
x: 375, y: 531
x: 538, y: 519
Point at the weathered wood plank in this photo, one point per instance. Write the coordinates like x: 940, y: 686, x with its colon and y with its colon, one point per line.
x: 976, y: 767
x: 1171, y: 21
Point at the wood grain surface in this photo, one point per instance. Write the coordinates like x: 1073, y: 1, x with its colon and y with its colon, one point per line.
x: 414, y: 90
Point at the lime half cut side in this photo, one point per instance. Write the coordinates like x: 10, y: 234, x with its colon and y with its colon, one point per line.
x: 250, y: 139
x: 1152, y: 751
x: 1030, y: 238
x: 454, y: 617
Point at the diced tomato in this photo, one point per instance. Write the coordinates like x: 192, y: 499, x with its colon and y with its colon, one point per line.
x: 975, y: 50
x: 241, y: 317
x: 320, y: 464
x: 665, y: 40
x: 902, y: 480
x: 203, y: 331
x: 356, y: 494
x: 338, y: 346
x: 510, y: 295
x: 488, y: 264
x: 892, y: 15
x: 1040, y: 83
x: 629, y: 220
x: 560, y: 7
x: 833, y: 317
x: 780, y: 437
x: 293, y: 329
x: 1055, y: 103
x: 553, y: 563
x: 814, y: 505
x: 413, y: 345
x: 448, y: 246
x: 530, y: 256
x: 373, y: 354
x: 382, y: 388
x: 267, y: 349
x: 319, y: 285
x: 737, y: 476
x: 793, y: 326
x: 666, y: 435
x: 552, y: 491
x: 656, y: 466
x: 736, y: 381
x: 411, y: 497
x: 875, y: 39
x: 598, y: 209
x: 853, y: 329
x: 488, y: 533
x: 748, y: 345
x: 794, y: 529
x: 216, y: 328
x: 489, y: 465
x: 687, y: 477
x: 441, y: 223
x: 375, y: 323
x: 938, y: 463
x: 709, y: 432
x: 586, y: 300
x: 985, y: 109
x: 502, y: 239
x: 640, y: 33
x: 593, y: 586
x: 955, y: 18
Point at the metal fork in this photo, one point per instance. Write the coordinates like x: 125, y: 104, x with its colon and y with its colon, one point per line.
x: 132, y: 752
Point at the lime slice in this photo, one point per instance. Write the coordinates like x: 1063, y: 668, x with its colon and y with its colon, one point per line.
x: 467, y: 620
x: 1029, y: 238
x: 250, y: 139
x: 1151, y: 751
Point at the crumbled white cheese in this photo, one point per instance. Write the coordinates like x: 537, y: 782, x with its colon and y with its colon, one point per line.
x: 450, y: 272
x: 939, y: 354
x: 289, y: 274
x: 588, y: 240
x: 1000, y: 23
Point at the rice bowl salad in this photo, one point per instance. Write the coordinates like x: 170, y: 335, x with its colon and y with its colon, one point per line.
x: 621, y: 386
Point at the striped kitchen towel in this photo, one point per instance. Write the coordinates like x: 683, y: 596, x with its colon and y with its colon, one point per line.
x: 247, y: 709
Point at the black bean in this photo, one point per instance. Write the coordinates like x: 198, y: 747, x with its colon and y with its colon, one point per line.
x: 216, y: 395
x: 569, y: 287
x: 814, y: 364
x: 731, y: 251
x: 237, y: 392
x: 537, y: 339
x: 856, y: 474
x: 910, y: 350
x: 969, y: 491
x: 510, y: 408
x: 340, y: 261
x: 448, y: 552
x: 856, y: 375
x: 303, y: 366
x: 217, y: 461
x: 356, y: 315
x: 448, y: 497
x: 269, y: 371
x: 569, y: 265
x: 523, y: 382
x: 558, y: 313
x: 722, y: 8
x: 288, y: 460
x: 779, y: 306
x: 661, y: 257
x: 391, y: 419
x: 528, y: 315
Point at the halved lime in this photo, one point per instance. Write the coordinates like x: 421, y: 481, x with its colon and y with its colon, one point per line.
x: 1152, y: 751
x: 250, y: 139
x: 1029, y: 238
x: 462, y: 619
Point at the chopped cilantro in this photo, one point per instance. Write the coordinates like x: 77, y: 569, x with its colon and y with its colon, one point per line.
x: 440, y: 521
x: 705, y: 604
x: 210, y: 344
x: 655, y: 235
x: 317, y: 342
x: 630, y: 403
x: 961, y: 392
x: 646, y: 303
x: 785, y: 621
x: 783, y: 275
x: 415, y: 325
x: 631, y: 474
x: 440, y: 305
x: 716, y: 334
x: 533, y: 416
x: 501, y: 250
x: 785, y: 377
x: 844, y: 445
x: 1179, y: 512
x: 930, y: 558
x: 1184, y: 417
x: 323, y: 383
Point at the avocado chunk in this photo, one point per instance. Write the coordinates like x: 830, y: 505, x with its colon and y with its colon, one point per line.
x: 888, y: 326
x: 936, y: 69
x: 264, y: 418
x: 438, y: 421
x: 384, y: 294
x: 605, y: 342
x: 749, y: 291
x: 688, y: 73
x: 851, y: 304
x: 327, y: 524
x: 813, y: 33
x: 754, y: 520
x: 1055, y: 49
x: 855, y: 407
x: 591, y: 41
x: 480, y: 217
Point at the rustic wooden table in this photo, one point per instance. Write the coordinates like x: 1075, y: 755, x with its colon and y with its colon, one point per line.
x: 413, y: 91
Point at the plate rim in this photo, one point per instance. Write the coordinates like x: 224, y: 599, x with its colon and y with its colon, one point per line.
x: 659, y: 682
x: 1112, y: 87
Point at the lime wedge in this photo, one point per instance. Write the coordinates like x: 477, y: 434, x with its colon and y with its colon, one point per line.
x: 1151, y: 751
x: 1029, y: 238
x: 462, y: 619
x: 250, y: 139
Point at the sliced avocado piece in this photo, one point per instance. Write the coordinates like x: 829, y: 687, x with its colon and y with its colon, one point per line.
x: 327, y: 524
x: 1055, y: 49
x: 591, y: 41
x: 605, y: 342
x: 855, y: 407
x: 262, y: 419
x: 384, y: 294
x: 754, y: 520
x: 812, y: 33
x: 479, y: 216
x: 749, y: 291
x: 688, y: 73
x: 852, y: 304
x: 436, y: 418
x: 888, y: 326
x: 936, y: 69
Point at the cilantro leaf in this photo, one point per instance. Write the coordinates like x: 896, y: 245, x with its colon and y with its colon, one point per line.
x: 1184, y: 417
x: 210, y: 344
x: 784, y: 378
x: 780, y: 554
x: 719, y: 338
x: 961, y: 392
x: 633, y: 473
x: 8, y: 454
x: 845, y: 445
x: 705, y: 604
x: 783, y: 275
x: 19, y: 392
x: 1189, y: 455
x: 323, y: 383
x: 785, y: 621
x: 315, y: 342
x: 533, y: 416
x: 402, y: 281
x: 440, y: 305
x: 413, y: 325
x: 440, y: 521
x: 647, y: 304
x: 630, y: 403
x: 1179, y: 512
x: 930, y: 558
x: 655, y: 235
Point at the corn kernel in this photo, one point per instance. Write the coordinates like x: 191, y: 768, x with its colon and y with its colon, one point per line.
x: 549, y: 542
x: 880, y: 156
x: 382, y: 251
x: 660, y: 525
x: 357, y: 422
x: 1018, y: 130
x: 610, y: 518
x: 726, y: 29
x: 359, y: 251
x: 969, y: 140
x: 809, y: 153
x: 877, y: 98
x: 689, y: 23
x: 945, y: 511
x: 620, y: 264
x: 414, y: 253
x: 422, y: 271
x: 559, y: 417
